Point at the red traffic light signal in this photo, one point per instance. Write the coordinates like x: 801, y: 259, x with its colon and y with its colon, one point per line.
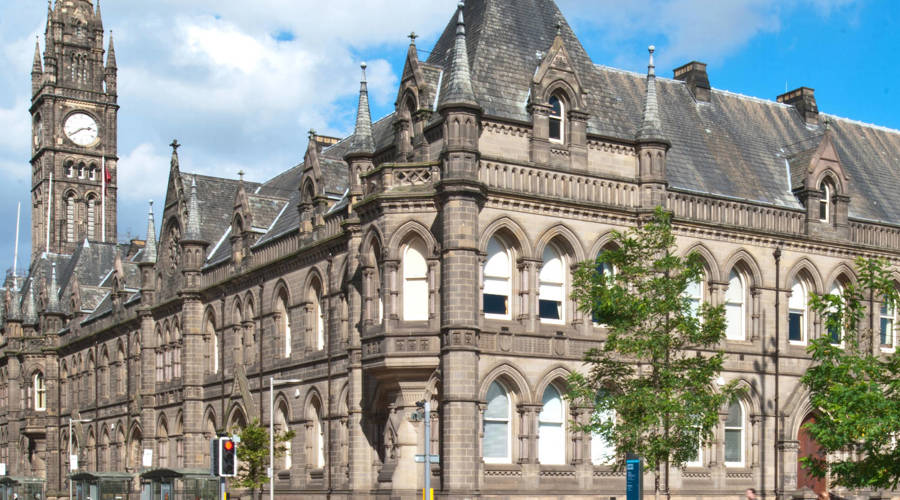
x: 228, y: 462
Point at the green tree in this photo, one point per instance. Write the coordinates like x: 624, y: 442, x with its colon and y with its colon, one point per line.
x: 648, y: 371
x: 855, y: 392
x: 253, y: 456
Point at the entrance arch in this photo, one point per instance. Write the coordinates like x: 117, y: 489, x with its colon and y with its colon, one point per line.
x: 808, y: 447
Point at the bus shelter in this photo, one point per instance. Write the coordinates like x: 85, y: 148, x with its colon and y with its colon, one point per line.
x: 102, y: 485
x: 26, y: 488
x: 179, y: 484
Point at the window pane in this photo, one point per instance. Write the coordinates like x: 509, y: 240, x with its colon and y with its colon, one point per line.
x: 555, y: 128
x: 734, y: 316
x: 602, y: 451
x: 415, y: 300
x: 496, y: 286
x: 552, y: 444
x: 887, y: 331
x: 735, y: 291
x: 550, y: 309
x: 495, y: 304
x: 835, y: 334
x: 795, y: 326
x: 497, y: 402
x: 735, y: 416
x: 496, y: 439
x: 798, y: 296
x: 733, y: 445
x: 552, y: 410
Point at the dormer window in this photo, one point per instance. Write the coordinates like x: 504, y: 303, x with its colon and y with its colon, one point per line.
x: 557, y: 112
x: 825, y: 201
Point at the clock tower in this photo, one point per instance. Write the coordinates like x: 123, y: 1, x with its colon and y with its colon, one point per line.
x: 73, y: 110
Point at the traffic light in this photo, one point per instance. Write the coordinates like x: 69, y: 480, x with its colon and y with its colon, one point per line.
x: 228, y: 462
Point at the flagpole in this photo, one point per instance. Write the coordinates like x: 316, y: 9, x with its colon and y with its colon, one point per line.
x: 103, y: 196
x: 16, y: 251
x: 49, y: 210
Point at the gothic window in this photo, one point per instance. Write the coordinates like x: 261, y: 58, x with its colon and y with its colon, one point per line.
x: 121, y: 371
x: 694, y: 294
x: 179, y: 442
x: 81, y: 169
x: 316, y: 436
x: 176, y: 354
x: 836, y: 332
x: 735, y: 299
x: 70, y: 217
x: 317, y: 312
x: 284, y: 326
x: 886, y: 325
x: 70, y: 169
x: 91, y: 217
x: 603, y: 452
x: 212, y: 345
x: 92, y: 172
x: 496, y: 430
x: 281, y: 426
x: 797, y: 312
x: 604, y: 269
x: 697, y: 459
x: 415, y: 282
x: 557, y: 118
x: 552, y: 428
x: 160, y: 375
x: 40, y: 392
x: 735, y: 435
x: 497, y: 282
x: 162, y: 444
x: 551, y: 293
x: 827, y: 191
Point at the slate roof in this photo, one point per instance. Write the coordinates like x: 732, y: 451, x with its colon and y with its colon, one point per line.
x: 215, y: 197
x: 735, y: 146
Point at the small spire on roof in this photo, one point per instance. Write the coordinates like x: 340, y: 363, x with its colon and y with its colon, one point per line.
x: 30, y: 316
x: 651, y: 126
x: 241, y: 174
x: 457, y: 87
x: 111, y: 53
x: 53, y: 292
x: 150, y: 246
x: 362, y: 141
x: 193, y: 219
x: 37, y: 67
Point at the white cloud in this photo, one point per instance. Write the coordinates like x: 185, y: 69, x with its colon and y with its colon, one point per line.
x: 143, y: 173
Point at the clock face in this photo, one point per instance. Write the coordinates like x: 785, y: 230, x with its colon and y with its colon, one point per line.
x: 81, y: 129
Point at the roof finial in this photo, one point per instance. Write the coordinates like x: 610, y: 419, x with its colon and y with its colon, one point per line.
x: 175, y: 146
x: 412, y: 38
x: 827, y: 124
x: 150, y: 246
x: 651, y: 68
x: 241, y: 174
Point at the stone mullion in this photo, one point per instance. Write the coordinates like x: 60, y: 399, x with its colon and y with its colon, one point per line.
x: 392, y: 283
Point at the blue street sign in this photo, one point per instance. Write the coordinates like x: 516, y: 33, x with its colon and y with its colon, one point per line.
x: 634, y: 473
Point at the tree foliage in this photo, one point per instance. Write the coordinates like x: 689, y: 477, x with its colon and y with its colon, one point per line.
x: 649, y: 371
x: 253, y: 455
x: 854, y: 391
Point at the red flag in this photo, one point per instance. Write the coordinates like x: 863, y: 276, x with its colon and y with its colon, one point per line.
x: 108, y: 177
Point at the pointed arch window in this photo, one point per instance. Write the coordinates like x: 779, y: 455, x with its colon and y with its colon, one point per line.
x: 836, y: 333
x: 40, y: 392
x: 91, y: 217
x: 552, y: 428
x: 92, y: 172
x: 735, y: 435
x: 213, y: 344
x: 281, y: 426
x: 415, y: 283
x: 497, y: 273
x: 825, y: 207
x: 284, y: 323
x: 797, y: 313
x: 318, y: 316
x: 694, y: 294
x: 551, y: 292
x: 604, y: 269
x: 81, y: 169
x: 70, y: 169
x: 496, y: 427
x: 557, y: 118
x: 317, y: 437
x: 603, y: 452
x: 735, y: 300
x: 70, y: 217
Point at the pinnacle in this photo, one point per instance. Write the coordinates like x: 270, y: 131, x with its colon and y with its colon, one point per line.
x: 457, y: 87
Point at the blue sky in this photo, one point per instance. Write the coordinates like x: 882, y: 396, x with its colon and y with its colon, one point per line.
x: 240, y: 87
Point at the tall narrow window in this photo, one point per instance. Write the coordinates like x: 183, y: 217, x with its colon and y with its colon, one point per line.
x: 836, y: 332
x: 497, y: 272
x: 734, y: 435
x: 797, y: 313
x: 557, y: 120
x: 496, y: 425
x: 70, y: 169
x: 603, y: 452
x: 318, y: 438
x: 318, y: 316
x: 415, y: 283
x: 694, y: 294
x: 91, y: 217
x: 281, y: 424
x: 285, y: 324
x: 551, y: 428
x: 551, y: 293
x: 734, y: 307
x: 40, y: 392
x: 887, y: 325
x: 605, y: 269
x: 825, y: 202
x: 70, y: 218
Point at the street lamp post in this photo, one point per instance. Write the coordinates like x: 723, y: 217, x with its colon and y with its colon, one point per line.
x: 80, y: 421
x: 271, y: 471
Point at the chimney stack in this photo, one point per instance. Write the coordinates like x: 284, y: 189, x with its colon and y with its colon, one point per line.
x: 694, y: 75
x: 804, y: 99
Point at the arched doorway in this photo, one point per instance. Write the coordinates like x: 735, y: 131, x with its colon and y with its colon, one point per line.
x: 808, y: 447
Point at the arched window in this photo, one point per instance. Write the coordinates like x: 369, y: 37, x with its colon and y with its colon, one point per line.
x: 318, y: 315
x: 497, y: 425
x: 91, y: 217
x: 735, y: 435
x: 797, y: 313
x: 281, y: 426
x: 92, y: 172
x: 694, y: 294
x: 176, y: 353
x: 70, y: 217
x: 281, y: 311
x: 825, y: 201
x: 209, y: 330
x: 551, y: 428
x: 886, y: 315
x: 497, y: 273
x: 735, y: 316
x: 551, y: 294
x: 160, y: 374
x: 603, y: 452
x: 317, y: 439
x: 557, y: 119
x: 162, y: 444
x: 70, y: 169
x: 415, y: 283
x: 836, y: 333
x: 81, y: 169
x: 604, y: 269
x: 40, y: 392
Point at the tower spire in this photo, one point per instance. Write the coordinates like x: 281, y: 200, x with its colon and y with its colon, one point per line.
x: 111, y: 53
x: 36, y: 66
x: 651, y: 126
x: 457, y: 87
x: 362, y: 135
x: 53, y: 291
x: 150, y: 245
x: 192, y: 233
x: 29, y: 316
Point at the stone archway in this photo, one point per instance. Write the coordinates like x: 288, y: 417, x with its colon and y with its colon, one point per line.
x: 807, y: 447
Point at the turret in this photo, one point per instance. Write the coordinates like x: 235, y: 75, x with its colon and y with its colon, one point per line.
x: 651, y: 145
x: 362, y: 146
x: 192, y: 244
x: 37, y: 69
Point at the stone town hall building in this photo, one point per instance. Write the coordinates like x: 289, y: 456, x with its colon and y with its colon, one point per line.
x: 427, y: 256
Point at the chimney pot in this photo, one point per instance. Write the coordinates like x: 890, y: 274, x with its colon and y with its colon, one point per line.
x: 804, y: 100
x: 695, y: 76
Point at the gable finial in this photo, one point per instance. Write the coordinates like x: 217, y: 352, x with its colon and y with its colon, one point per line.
x: 651, y: 68
x: 175, y: 146
x: 150, y: 245
x: 241, y: 174
x: 412, y: 38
